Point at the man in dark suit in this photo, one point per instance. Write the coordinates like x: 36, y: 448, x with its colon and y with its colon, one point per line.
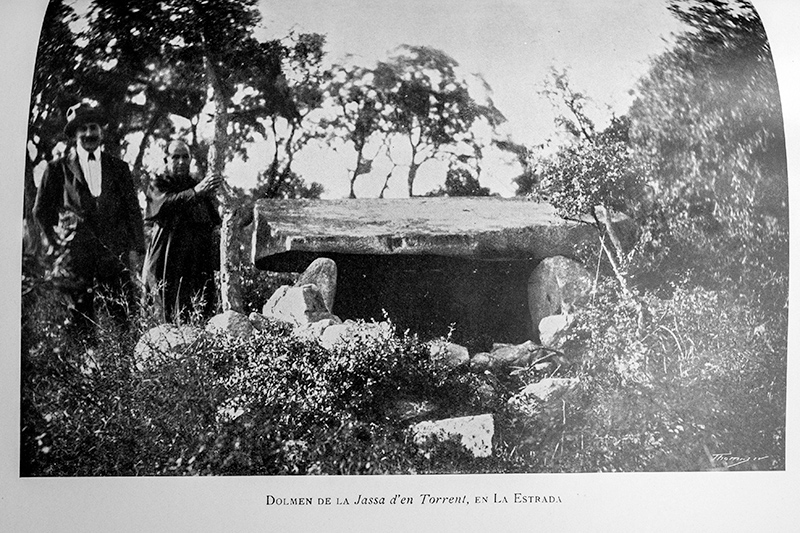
x: 87, y: 207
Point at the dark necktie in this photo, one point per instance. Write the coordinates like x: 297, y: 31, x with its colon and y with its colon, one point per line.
x: 91, y: 156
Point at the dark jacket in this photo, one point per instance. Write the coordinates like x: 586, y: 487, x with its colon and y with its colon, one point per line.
x: 182, y: 254
x: 97, y: 232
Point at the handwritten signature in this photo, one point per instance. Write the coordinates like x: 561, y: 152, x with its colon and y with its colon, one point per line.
x: 728, y: 460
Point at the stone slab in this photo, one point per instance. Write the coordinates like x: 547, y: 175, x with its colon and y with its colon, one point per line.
x: 484, y: 228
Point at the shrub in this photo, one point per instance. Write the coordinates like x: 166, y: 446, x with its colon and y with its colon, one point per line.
x: 271, y: 404
x: 703, y: 377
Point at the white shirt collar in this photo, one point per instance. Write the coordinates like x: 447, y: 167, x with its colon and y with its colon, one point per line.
x: 92, y: 170
x: 83, y: 155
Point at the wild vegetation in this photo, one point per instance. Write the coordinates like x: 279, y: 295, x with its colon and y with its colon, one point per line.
x: 680, y: 354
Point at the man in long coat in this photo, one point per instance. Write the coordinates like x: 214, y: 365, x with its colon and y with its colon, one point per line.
x: 179, y: 265
x: 87, y: 207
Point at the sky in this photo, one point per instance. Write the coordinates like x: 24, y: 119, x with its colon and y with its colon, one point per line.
x: 603, y: 44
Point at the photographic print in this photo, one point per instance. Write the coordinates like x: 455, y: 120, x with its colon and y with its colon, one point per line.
x: 406, y: 257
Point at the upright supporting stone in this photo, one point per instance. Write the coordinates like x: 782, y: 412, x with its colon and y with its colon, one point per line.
x: 322, y: 273
x: 556, y: 286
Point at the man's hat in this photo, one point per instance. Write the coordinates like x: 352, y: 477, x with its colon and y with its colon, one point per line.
x: 80, y: 114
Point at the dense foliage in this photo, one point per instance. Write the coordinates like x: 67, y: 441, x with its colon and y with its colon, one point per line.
x: 699, y: 385
x: 680, y: 357
x: 271, y: 404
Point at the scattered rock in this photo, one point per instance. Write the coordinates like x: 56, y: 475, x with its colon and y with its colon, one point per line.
x: 549, y: 388
x: 321, y: 272
x: 350, y: 331
x: 475, y: 432
x: 514, y: 354
x: 314, y: 330
x: 556, y: 286
x: 552, y: 328
x: 164, y: 341
x: 297, y: 305
x: 449, y: 353
x: 543, y: 397
x: 230, y: 323
x: 259, y: 321
x: 504, y: 356
x: 480, y: 362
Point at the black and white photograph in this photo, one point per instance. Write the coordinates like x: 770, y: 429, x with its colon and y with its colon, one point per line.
x: 399, y: 265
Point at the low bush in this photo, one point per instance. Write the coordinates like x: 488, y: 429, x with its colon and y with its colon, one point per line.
x: 271, y: 404
x: 698, y: 384
x: 693, y: 382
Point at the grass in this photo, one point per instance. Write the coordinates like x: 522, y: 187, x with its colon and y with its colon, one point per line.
x: 700, y: 386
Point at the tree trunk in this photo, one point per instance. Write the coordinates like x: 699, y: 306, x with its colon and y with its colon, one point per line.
x: 145, y: 142
x: 412, y: 175
x: 230, y: 260
x: 355, y: 175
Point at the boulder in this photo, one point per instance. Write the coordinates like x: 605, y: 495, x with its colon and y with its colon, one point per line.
x: 449, y: 353
x: 297, y: 305
x: 230, y: 323
x: 480, y: 362
x: 556, y: 286
x: 504, y: 356
x: 549, y: 388
x: 164, y: 341
x: 350, y: 331
x: 322, y: 273
x: 314, y: 330
x: 474, y: 432
x: 543, y: 397
x: 552, y: 329
x: 514, y: 354
x: 259, y: 321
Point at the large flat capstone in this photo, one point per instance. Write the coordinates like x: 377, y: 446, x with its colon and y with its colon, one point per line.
x: 433, y: 265
x: 472, y: 228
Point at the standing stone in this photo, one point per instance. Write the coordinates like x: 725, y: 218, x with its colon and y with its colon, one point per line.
x: 556, y: 286
x: 322, y: 273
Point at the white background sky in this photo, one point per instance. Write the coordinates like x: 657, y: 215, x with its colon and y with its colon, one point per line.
x: 604, y: 44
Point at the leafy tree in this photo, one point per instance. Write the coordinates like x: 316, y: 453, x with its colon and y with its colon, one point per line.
x: 289, y: 129
x: 210, y: 46
x: 461, y: 180
x: 429, y: 105
x: 54, y: 89
x: 358, y: 109
x: 593, y: 173
x: 708, y: 116
x: 709, y: 111
x: 528, y: 181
